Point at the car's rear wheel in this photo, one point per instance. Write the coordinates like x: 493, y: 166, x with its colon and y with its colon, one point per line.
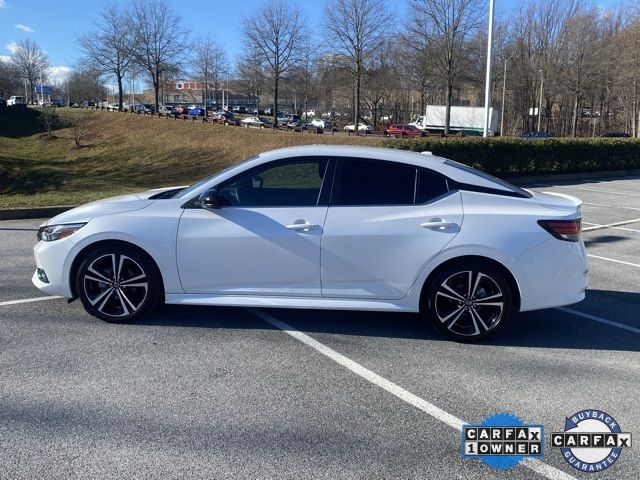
x: 468, y: 302
x: 118, y: 284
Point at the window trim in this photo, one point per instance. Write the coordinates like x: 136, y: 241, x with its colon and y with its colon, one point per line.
x: 323, y: 196
x: 418, y: 168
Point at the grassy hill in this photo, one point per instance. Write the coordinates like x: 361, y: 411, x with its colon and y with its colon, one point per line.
x: 122, y: 153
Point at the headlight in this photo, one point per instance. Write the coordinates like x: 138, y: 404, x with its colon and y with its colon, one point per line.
x: 56, y: 232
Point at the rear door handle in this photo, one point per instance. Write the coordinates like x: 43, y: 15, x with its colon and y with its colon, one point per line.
x: 437, y: 224
x: 305, y: 227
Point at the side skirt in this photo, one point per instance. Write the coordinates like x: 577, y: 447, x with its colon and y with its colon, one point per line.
x: 289, y: 302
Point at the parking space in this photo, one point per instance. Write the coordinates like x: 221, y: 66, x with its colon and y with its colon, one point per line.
x: 241, y: 393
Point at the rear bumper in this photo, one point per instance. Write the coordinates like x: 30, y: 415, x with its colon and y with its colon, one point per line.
x: 552, y: 274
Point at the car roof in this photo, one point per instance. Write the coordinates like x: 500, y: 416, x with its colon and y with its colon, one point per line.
x: 354, y: 150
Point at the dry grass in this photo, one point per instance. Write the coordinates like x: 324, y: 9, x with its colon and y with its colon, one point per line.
x: 126, y: 153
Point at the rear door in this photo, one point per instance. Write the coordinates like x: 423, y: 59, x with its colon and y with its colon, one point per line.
x: 385, y: 221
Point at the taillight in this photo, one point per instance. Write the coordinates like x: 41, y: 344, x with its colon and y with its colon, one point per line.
x: 563, y: 229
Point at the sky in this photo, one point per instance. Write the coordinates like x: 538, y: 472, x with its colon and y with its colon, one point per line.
x: 54, y: 24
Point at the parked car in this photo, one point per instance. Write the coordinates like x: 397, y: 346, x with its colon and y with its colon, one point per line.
x: 16, y: 100
x: 256, y: 122
x: 181, y: 109
x: 197, y: 111
x: 615, y: 135
x: 333, y: 227
x: 146, y: 108
x: 88, y: 104
x: 3, y: 102
x: 400, y: 130
x: 239, y: 109
x: 325, y: 124
x: 535, y: 135
x: 165, y: 110
x: 301, y: 125
x: 74, y: 105
x: 128, y: 107
x: 362, y: 127
x: 222, y: 116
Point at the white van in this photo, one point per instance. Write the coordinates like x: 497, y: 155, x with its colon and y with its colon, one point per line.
x: 16, y: 100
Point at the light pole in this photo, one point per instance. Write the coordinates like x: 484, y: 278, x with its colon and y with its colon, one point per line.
x: 504, y: 88
x: 540, y: 102
x: 487, y: 86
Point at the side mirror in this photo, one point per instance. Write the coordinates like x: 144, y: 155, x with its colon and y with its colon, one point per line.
x: 209, y: 199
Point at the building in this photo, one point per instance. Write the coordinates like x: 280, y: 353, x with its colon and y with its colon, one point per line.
x: 184, y: 92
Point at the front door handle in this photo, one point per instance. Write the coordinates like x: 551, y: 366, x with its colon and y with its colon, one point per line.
x: 305, y: 227
x: 437, y: 224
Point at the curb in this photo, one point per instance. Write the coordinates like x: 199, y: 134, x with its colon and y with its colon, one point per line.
x: 23, y: 213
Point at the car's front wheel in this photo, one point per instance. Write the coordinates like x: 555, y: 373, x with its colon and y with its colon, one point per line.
x: 468, y: 302
x: 118, y: 284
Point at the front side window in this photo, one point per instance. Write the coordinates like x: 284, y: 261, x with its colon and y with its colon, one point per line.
x: 374, y: 182
x: 293, y: 183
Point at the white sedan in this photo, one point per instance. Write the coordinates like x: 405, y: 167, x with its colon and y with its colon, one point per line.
x: 334, y: 227
x: 260, y: 122
x: 362, y: 127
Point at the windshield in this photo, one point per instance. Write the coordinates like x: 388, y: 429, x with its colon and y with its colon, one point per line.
x: 185, y: 192
x: 486, y: 176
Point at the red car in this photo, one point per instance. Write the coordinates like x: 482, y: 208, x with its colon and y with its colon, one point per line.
x: 404, y: 131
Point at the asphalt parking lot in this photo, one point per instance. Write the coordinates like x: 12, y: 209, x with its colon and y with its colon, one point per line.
x: 204, y: 392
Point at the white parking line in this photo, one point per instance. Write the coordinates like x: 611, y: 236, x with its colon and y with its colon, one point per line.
x: 537, y: 466
x: 599, y: 226
x: 600, y: 319
x: 610, y: 205
x: 26, y: 300
x: 613, y: 260
x: 600, y: 190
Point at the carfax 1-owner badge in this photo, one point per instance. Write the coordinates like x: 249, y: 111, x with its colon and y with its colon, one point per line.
x: 502, y: 441
x: 592, y: 440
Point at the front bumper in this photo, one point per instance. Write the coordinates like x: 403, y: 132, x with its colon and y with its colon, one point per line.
x: 52, y: 258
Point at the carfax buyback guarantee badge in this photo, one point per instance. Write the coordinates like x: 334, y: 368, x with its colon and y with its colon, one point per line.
x: 502, y: 441
x: 592, y: 440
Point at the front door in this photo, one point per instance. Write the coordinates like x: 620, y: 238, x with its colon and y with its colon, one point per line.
x: 265, y: 238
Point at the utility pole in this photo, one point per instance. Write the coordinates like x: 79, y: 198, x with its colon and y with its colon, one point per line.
x: 487, y: 85
x: 504, y: 89
x: 540, y: 102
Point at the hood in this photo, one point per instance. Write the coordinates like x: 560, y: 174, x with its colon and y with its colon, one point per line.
x: 109, y: 206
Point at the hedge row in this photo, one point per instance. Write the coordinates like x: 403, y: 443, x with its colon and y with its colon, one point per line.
x: 506, y: 157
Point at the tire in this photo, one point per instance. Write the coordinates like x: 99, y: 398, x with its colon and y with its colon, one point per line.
x: 469, y: 317
x: 134, y: 294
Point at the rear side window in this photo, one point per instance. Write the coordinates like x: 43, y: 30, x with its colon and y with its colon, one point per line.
x: 430, y: 185
x: 374, y: 182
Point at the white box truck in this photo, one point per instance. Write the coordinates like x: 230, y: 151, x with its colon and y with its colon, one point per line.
x: 464, y: 120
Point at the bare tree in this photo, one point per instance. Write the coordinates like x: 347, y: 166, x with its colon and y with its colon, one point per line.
x: 108, y: 46
x: 31, y: 62
x: 161, y: 43
x: 276, y: 31
x: 79, y: 128
x: 85, y: 84
x: 49, y: 120
x: 9, y: 79
x: 251, y: 75
x: 446, y: 27
x: 210, y: 65
x: 357, y: 29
